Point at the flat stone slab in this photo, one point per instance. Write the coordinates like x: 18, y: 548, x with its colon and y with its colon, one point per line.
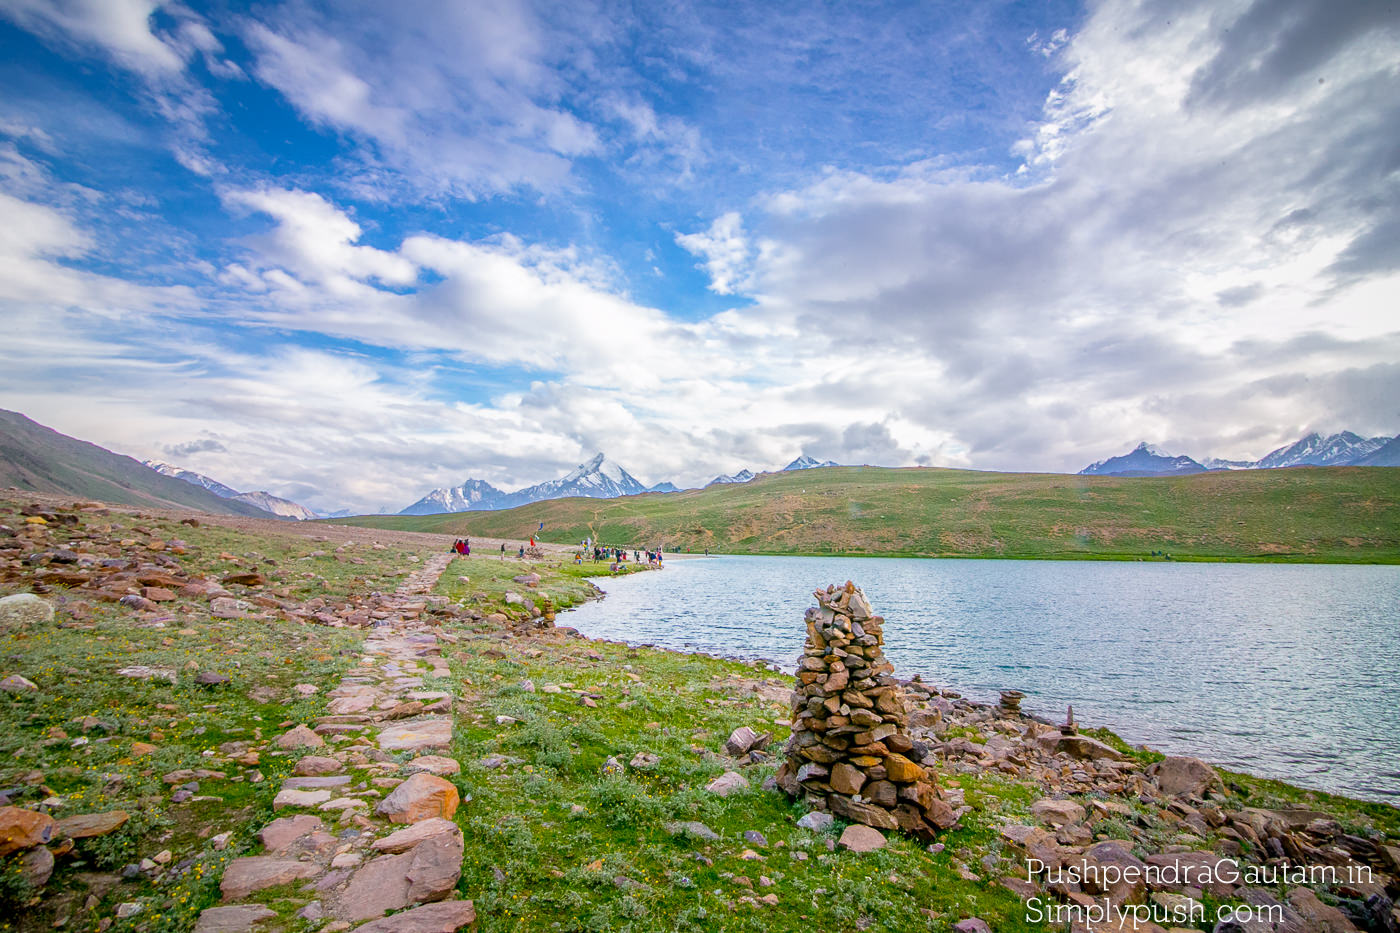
x: 434, y: 764
x: 89, y: 825
x: 316, y: 783
x: 407, y: 838
x: 240, y: 918
x: 254, y: 873
x: 416, y: 735
x: 300, y: 798
x: 278, y: 835
x: 442, y: 917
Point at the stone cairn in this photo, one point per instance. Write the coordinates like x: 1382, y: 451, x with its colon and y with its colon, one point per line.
x: 849, y: 752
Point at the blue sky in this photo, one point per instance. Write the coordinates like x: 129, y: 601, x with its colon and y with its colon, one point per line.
x: 348, y: 252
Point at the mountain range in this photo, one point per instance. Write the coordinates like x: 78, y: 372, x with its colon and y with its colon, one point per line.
x: 1342, y: 449
x: 261, y: 499
x: 33, y: 457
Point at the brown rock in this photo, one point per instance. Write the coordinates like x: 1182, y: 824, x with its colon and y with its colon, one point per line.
x: 1057, y: 813
x: 405, y: 839
x: 427, y: 872
x: 301, y: 735
x: 422, y: 797
x: 313, y: 765
x: 901, y: 770
x: 141, y: 749
x: 416, y: 735
x: 1112, y: 860
x: 157, y: 594
x: 89, y: 825
x: 846, y: 779
x: 278, y: 836
x: 434, y: 764
x: 36, y: 866
x: 442, y: 917
x: 1320, y: 917
x: 865, y: 813
x: 1181, y: 777
x: 240, y: 918
x: 245, y: 579
x: 881, y: 793
x: 23, y: 829
x: 243, y: 876
x: 858, y: 838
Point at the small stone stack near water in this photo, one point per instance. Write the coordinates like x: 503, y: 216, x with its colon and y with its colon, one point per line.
x: 849, y: 752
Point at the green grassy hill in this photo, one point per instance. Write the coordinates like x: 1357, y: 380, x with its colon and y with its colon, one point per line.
x: 33, y: 457
x: 1347, y: 514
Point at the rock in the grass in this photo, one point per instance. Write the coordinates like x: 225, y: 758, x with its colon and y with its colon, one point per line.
x: 279, y: 835
x: 288, y: 797
x: 972, y: 925
x: 89, y: 825
x: 1057, y: 813
x: 860, y: 838
x: 23, y: 609
x: 142, y: 672
x: 422, y: 797
x: 239, y: 918
x: 1183, y: 777
x: 434, y: 764
x: 243, y: 876
x: 313, y: 765
x: 298, y: 737
x: 730, y: 782
x: 36, y: 866
x: 210, y: 679
x: 442, y: 917
x: 527, y: 579
x: 692, y: 828
x: 416, y: 735
x: 23, y: 829
x: 404, y: 839
x: 17, y: 683
x: 740, y: 741
x: 818, y: 821
x: 644, y: 761
x: 427, y: 872
x: 612, y: 767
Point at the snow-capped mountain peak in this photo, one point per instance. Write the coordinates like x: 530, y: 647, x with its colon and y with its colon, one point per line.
x: 743, y: 476
x: 805, y: 462
x: 190, y: 476
x: 598, y: 478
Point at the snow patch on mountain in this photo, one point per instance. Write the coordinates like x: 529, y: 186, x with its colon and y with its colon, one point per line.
x: 190, y: 476
x: 805, y: 462
x: 598, y: 478
x: 1143, y: 460
x: 743, y: 476
x: 285, y: 508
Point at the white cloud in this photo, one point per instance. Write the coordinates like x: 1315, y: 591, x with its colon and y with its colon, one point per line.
x: 120, y: 28
x: 726, y: 251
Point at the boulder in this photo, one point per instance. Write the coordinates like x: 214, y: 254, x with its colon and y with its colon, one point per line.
x: 730, y: 782
x: 17, y: 683
x: 23, y: 829
x: 1078, y: 746
x: 1112, y: 861
x: 36, y: 866
x: 860, y: 838
x: 818, y: 821
x: 422, y: 797
x: 442, y: 917
x: 1183, y: 777
x: 23, y: 609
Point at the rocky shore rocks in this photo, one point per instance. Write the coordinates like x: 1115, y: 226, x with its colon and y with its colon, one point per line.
x: 849, y: 750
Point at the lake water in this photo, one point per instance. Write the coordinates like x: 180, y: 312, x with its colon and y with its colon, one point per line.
x: 1284, y: 670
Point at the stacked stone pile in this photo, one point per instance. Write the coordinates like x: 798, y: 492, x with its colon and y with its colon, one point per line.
x: 850, y: 752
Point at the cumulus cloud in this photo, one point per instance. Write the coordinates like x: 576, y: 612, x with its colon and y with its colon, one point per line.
x: 725, y: 249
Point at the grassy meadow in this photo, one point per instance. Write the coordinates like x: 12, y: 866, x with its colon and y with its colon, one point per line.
x: 1336, y: 514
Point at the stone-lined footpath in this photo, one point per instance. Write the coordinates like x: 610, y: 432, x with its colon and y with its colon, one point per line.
x: 390, y: 842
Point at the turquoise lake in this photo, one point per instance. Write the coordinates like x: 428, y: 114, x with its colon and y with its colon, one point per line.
x: 1283, y: 670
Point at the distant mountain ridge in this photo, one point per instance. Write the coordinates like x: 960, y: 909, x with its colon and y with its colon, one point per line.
x: 743, y: 476
x: 1143, y: 460
x: 261, y: 499
x: 598, y: 478
x: 41, y: 459
x: 1342, y: 449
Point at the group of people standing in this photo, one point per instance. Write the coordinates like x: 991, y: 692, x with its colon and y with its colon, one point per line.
x: 462, y: 546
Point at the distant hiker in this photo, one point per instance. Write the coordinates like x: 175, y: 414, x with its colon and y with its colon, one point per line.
x: 467, y: 548
x: 541, y: 531
x: 532, y: 540
x: 503, y: 550
x: 521, y: 555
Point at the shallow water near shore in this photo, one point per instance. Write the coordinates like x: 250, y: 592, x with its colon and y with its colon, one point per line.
x: 1283, y: 670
